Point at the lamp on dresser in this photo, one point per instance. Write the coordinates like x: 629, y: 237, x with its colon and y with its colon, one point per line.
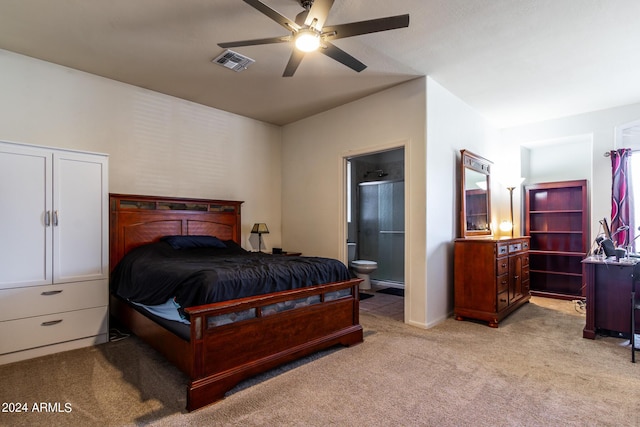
x: 512, y: 187
x: 259, y: 228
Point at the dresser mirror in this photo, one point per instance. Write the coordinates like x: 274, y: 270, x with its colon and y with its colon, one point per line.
x: 475, y: 200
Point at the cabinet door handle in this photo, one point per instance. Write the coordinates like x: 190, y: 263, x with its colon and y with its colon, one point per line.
x: 516, y: 277
x: 47, y: 218
x: 51, y: 322
x: 55, y: 218
x: 48, y: 293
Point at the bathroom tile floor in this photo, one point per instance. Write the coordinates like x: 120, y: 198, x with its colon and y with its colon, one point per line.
x: 383, y: 305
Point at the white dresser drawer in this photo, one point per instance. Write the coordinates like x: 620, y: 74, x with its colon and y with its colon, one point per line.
x: 19, y: 303
x: 38, y: 331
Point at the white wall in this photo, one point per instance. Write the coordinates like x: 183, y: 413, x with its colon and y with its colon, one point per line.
x: 451, y: 126
x: 547, y: 160
x: 434, y: 126
x: 158, y: 144
x: 313, y: 181
x: 600, y: 126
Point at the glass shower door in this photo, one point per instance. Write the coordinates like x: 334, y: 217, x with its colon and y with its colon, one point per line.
x: 381, y: 228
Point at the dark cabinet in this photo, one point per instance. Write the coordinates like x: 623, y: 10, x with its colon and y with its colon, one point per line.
x: 491, y: 278
x: 556, y: 219
x: 608, y: 287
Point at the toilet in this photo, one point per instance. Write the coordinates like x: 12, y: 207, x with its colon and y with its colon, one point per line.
x: 361, y: 267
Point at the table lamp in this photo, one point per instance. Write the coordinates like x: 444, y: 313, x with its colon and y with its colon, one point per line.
x: 259, y: 228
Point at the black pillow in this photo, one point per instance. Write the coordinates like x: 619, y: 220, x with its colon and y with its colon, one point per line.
x: 232, y: 246
x: 186, y: 242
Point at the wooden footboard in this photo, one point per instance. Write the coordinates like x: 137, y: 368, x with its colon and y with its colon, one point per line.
x: 225, y: 355
x: 273, y: 329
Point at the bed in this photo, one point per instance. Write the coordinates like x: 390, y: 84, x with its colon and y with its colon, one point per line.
x: 227, y: 341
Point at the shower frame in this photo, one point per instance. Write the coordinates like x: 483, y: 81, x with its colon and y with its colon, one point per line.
x: 380, y: 242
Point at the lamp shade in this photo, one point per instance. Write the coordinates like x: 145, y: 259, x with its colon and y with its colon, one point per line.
x: 260, y: 228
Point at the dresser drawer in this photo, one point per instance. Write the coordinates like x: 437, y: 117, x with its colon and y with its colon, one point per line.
x: 503, y: 300
x: 38, y: 331
x: 502, y: 249
x: 20, y: 303
x: 502, y: 283
x: 502, y: 266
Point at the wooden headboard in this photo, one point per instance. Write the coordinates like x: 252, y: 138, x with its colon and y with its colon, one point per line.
x: 136, y: 220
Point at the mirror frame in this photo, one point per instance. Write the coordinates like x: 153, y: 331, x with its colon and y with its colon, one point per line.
x: 471, y: 161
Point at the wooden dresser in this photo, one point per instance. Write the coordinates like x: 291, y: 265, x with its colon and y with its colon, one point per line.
x: 491, y: 277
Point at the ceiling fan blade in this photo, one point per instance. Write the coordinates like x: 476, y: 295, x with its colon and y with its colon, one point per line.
x: 341, y: 56
x: 276, y: 16
x: 294, y: 61
x: 254, y: 42
x: 365, y: 27
x: 319, y: 12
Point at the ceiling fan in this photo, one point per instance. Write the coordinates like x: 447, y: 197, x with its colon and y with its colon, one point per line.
x: 309, y: 32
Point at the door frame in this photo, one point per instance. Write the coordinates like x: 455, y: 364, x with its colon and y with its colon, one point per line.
x: 343, y: 232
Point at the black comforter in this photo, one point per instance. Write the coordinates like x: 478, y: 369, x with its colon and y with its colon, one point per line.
x: 153, y: 273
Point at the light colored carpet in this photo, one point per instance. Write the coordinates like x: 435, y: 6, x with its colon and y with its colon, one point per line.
x: 535, y: 369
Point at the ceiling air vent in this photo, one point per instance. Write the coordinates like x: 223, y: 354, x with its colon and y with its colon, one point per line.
x: 233, y: 60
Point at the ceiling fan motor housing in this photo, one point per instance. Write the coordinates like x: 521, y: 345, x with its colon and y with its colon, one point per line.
x: 306, y: 4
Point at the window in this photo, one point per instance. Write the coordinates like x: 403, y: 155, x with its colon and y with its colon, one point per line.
x: 628, y: 136
x: 634, y: 166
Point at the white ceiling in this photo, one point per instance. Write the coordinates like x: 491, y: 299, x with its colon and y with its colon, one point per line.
x: 514, y: 61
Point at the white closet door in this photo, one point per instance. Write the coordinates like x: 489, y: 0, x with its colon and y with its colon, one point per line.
x: 80, y: 210
x: 25, y: 206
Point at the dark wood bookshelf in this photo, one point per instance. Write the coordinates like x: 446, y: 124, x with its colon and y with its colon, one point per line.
x: 556, y: 219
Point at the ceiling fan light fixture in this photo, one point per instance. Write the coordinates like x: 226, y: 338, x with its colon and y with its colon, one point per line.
x: 307, y: 40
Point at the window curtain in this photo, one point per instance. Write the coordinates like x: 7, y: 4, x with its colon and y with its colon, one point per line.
x: 620, y: 197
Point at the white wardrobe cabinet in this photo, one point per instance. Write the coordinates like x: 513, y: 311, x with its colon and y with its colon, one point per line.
x: 53, y: 250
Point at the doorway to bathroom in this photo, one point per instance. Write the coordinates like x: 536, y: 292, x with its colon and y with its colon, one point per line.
x: 376, y: 215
